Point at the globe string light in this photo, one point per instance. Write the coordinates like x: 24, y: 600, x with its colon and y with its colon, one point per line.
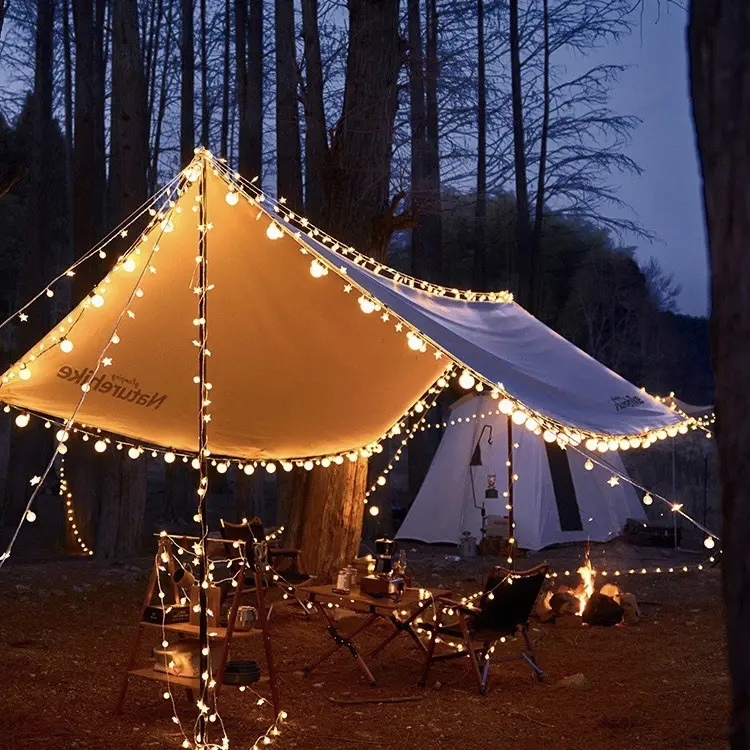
x: 70, y: 519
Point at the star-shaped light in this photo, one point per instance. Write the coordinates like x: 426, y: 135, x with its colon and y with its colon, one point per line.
x: 35, y: 480
x: 399, y: 327
x: 385, y: 317
x: 438, y: 355
x: 23, y: 317
x: 348, y: 288
x: 107, y: 361
x: 613, y: 481
x: 124, y: 233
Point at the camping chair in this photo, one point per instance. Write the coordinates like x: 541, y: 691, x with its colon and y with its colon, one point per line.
x: 253, y: 531
x: 503, y: 611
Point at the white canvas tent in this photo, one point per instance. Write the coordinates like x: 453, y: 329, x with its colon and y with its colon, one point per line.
x: 297, y: 370
x: 556, y: 499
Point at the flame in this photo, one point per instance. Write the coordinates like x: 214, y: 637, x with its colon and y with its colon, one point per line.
x: 586, y: 588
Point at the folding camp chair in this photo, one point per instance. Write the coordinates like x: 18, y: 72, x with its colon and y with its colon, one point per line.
x: 503, y: 611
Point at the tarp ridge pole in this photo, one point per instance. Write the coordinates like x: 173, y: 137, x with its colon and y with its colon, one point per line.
x: 202, y: 724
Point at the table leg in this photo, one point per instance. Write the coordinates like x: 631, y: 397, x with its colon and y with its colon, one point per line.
x: 401, y: 626
x: 344, y: 641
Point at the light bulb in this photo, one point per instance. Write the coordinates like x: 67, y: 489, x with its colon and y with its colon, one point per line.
x: 709, y: 542
x: 222, y: 468
x: 531, y: 424
x: 129, y: 265
x: 22, y: 420
x: 519, y: 417
x: 381, y: 481
x: 195, y: 463
x: 249, y: 469
x: 549, y: 436
x: 169, y: 457
x: 24, y: 373
x: 97, y: 300
x: 232, y: 198
x: 308, y: 465
x: 287, y: 466
x: 274, y: 231
x: 100, y: 446
x: 374, y: 510
x: 193, y: 173
x: 466, y: 381
x: 30, y: 516
x: 115, y: 339
x: 271, y: 468
x: 134, y: 453
x: 317, y: 269
x: 66, y: 345
x: 635, y: 442
x: 62, y: 436
x: 415, y: 343
x: 591, y: 444
x: 167, y: 226
x: 419, y: 407
x: 506, y: 406
x: 589, y: 465
x: 367, y: 306
x: 647, y: 499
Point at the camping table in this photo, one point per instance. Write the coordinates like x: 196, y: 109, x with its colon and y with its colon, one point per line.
x: 399, y: 614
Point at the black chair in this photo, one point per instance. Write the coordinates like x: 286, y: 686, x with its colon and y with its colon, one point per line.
x: 502, y: 612
x: 254, y: 531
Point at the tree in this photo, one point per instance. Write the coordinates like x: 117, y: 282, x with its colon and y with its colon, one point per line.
x: 316, y: 140
x: 187, y: 83
x: 38, y: 258
x: 720, y: 85
x: 288, y: 154
x: 248, y: 30
x: 326, y: 514
x: 480, y: 209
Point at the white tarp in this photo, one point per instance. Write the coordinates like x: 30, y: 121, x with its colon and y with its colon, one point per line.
x: 445, y: 505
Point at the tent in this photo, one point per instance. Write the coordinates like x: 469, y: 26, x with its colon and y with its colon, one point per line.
x: 312, y: 351
x: 556, y: 498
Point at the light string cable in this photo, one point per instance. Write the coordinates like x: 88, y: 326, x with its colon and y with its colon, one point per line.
x: 471, y: 378
x: 234, y: 179
x: 145, y: 207
x: 673, y: 506
x: 38, y: 481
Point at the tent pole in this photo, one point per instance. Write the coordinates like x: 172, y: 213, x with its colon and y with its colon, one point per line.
x: 511, y: 522
x: 202, y: 725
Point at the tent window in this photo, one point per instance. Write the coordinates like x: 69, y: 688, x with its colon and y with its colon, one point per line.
x: 565, y: 492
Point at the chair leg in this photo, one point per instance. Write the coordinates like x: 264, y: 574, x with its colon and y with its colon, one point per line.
x: 428, y: 658
x: 529, y: 655
x: 472, y: 655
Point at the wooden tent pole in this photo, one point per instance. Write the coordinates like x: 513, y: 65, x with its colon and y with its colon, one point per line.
x: 511, y: 522
x: 202, y: 725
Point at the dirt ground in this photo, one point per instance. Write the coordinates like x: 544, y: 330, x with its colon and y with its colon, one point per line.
x: 66, y: 629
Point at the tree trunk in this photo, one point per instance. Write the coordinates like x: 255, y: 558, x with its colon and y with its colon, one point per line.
x: 30, y: 448
x: 480, y: 207
x: 316, y: 139
x: 417, y: 121
x: 153, y: 174
x: 536, y: 243
x: 720, y: 80
x: 123, y: 493
x: 521, y: 265
x: 187, y: 84
x: 327, y: 504
x: 288, y: 156
x: 249, y: 61
x: 224, y: 145
x: 205, y: 114
x: 432, y: 217
x: 89, y: 190
x: 68, y: 98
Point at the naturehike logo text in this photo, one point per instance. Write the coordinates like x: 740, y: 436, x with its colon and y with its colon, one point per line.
x: 115, y: 385
x: 627, y: 402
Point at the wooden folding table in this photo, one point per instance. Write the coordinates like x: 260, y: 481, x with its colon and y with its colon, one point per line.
x: 400, y: 614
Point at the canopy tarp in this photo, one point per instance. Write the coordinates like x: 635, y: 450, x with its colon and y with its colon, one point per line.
x: 296, y: 368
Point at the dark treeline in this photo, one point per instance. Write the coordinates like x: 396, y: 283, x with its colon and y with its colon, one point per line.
x: 406, y: 128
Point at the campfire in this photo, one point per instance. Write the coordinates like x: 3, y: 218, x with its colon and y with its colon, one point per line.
x: 583, y: 604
